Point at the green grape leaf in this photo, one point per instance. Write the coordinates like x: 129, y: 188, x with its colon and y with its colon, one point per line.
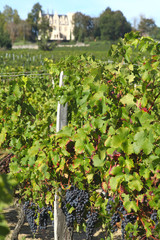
x: 135, y: 184
x: 97, y: 162
x: 130, y: 205
x: 115, y: 181
x: 128, y: 100
x: 79, y: 146
x: 116, y: 170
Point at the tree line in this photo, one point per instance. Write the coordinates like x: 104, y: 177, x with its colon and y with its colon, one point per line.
x: 110, y: 25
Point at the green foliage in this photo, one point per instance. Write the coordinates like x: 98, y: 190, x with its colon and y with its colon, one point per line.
x: 45, y: 45
x: 44, y: 28
x: 13, y: 24
x: 110, y: 25
x: 33, y: 20
x: 5, y: 41
x: 155, y: 34
x: 83, y: 27
x: 146, y: 26
x: 112, y: 138
x: 11, y: 15
x: 113, y: 25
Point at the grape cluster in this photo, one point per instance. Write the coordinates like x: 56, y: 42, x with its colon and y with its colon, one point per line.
x: 119, y: 214
x: 31, y: 211
x: 31, y: 215
x: 115, y: 217
x: 121, y: 208
x: 109, y: 205
x: 128, y: 218
x: 92, y: 218
x: 70, y: 217
x: 43, y: 218
x: 154, y: 217
x: 114, y: 220
x: 77, y: 199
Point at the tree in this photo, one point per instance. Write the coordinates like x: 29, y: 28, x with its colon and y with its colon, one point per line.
x: 16, y: 17
x: 2, y: 20
x: 11, y: 15
x: 44, y: 27
x: 5, y: 41
x: 33, y: 19
x: 24, y: 30
x: 12, y: 22
x: 83, y: 26
x: 13, y: 30
x: 146, y: 26
x: 44, y: 34
x: 156, y: 33
x: 96, y: 28
x: 8, y: 13
x: 113, y: 25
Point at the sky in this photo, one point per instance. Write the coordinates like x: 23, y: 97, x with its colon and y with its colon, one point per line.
x: 131, y: 9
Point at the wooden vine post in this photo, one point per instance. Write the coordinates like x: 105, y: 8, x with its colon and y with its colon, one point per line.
x: 61, y: 231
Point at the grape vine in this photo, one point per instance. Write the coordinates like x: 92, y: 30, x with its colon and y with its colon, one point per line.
x: 111, y: 143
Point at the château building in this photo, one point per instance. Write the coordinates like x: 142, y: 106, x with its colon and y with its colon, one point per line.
x: 62, y: 26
